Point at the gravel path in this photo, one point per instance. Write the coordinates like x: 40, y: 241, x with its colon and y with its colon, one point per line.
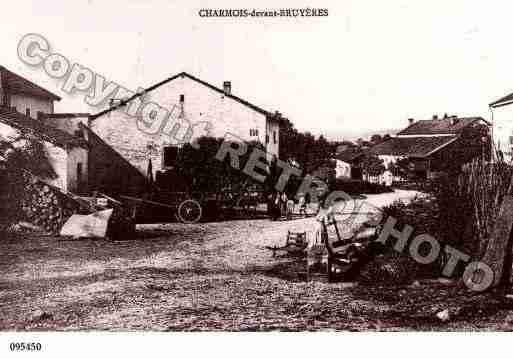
x: 211, y: 276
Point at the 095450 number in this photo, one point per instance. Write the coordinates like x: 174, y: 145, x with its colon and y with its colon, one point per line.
x: 21, y: 347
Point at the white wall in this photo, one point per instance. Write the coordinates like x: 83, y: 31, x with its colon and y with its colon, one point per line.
x: 59, y: 160
x: 201, y: 104
x: 273, y: 127
x: 342, y: 169
x: 503, y: 129
x: 56, y: 155
x: 75, y: 156
x: 389, y: 159
x: 69, y: 125
x: 204, y: 104
x: 7, y: 132
x: 22, y: 102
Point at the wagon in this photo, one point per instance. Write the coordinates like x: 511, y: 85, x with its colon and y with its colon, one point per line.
x: 183, y: 206
x: 189, y: 207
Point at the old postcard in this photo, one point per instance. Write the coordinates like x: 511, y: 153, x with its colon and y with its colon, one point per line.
x: 257, y: 166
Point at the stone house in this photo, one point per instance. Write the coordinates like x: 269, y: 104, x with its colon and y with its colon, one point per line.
x: 24, y: 96
x: 438, y: 145
x: 67, y: 154
x: 348, y: 163
x: 22, y: 103
x: 188, y: 100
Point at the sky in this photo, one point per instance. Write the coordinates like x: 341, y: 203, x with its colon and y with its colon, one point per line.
x: 368, y: 66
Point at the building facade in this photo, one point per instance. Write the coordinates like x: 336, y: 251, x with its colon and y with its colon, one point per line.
x: 24, y: 96
x: 187, y: 101
x: 23, y: 104
x: 437, y: 146
x: 67, y: 155
x: 502, y: 121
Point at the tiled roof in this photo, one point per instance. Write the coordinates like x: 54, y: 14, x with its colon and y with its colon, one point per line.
x: 439, y: 126
x: 185, y: 74
x: 503, y: 101
x: 349, y: 154
x: 17, y: 84
x: 412, y: 146
x: 50, y: 134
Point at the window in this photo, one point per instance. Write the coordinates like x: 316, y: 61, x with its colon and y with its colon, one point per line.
x: 182, y: 98
x: 266, y: 138
x: 253, y: 132
x: 274, y: 137
x: 28, y: 112
x: 170, y: 154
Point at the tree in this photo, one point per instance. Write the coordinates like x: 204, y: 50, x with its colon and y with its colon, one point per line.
x: 372, y: 165
x: 303, y: 147
x: 400, y: 168
x: 375, y: 139
x: 205, y: 173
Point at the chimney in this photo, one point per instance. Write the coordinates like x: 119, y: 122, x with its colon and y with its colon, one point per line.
x: 435, y: 117
x: 411, y: 121
x: 446, y: 116
x: 227, y: 87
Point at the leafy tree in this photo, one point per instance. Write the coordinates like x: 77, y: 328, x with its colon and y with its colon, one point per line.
x: 205, y: 173
x: 400, y: 168
x: 375, y: 139
x: 372, y: 165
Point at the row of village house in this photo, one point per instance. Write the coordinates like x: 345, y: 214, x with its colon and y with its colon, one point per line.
x: 108, y: 152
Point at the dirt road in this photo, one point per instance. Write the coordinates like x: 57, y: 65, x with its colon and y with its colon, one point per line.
x: 213, y: 276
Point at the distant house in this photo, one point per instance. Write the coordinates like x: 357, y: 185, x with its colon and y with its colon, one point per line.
x: 191, y: 99
x: 24, y: 96
x: 323, y: 169
x: 437, y: 145
x: 348, y: 163
x: 502, y: 121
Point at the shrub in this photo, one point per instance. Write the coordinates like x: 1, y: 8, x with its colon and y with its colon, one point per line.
x: 422, y: 213
x: 358, y: 187
x: 469, y: 203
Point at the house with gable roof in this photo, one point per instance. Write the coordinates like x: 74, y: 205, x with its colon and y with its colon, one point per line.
x: 22, y: 103
x: 437, y: 145
x: 189, y: 100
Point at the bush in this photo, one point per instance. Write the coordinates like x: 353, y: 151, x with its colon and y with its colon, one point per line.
x: 422, y: 213
x: 469, y: 204
x: 358, y: 187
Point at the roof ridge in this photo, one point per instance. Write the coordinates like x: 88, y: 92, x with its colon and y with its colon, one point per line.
x: 169, y: 79
x: 49, y: 93
x: 42, y: 130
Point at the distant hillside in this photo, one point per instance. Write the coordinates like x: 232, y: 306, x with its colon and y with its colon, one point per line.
x: 354, y: 134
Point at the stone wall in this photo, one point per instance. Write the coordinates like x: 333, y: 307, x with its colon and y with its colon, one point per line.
x: 132, y: 140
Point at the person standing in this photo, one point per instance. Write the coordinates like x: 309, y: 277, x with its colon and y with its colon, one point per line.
x: 275, y: 206
x: 302, y: 205
x: 283, y: 204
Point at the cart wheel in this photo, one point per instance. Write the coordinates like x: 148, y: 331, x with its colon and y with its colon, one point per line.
x: 189, y: 211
